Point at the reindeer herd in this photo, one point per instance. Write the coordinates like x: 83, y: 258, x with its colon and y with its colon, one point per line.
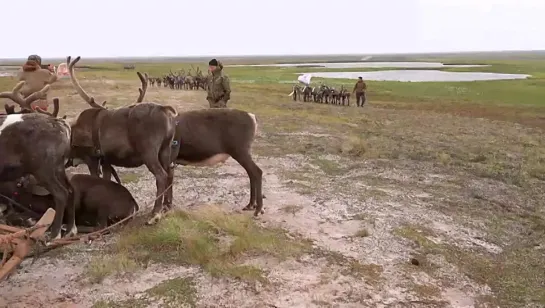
x: 37, y: 148
x: 322, y: 94
x: 181, y: 80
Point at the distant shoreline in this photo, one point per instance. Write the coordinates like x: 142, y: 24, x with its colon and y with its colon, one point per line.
x: 289, y: 59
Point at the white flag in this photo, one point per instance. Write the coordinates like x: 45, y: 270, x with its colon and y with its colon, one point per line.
x: 305, y: 79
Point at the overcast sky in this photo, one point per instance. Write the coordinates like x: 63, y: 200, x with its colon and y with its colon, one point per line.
x: 109, y: 28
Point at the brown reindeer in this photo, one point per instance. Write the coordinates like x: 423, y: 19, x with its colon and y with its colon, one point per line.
x: 37, y: 144
x: 210, y: 136
x: 97, y: 202
x: 131, y: 136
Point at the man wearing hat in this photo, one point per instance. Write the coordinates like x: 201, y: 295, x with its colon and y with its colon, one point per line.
x: 219, y: 87
x: 360, y: 89
x: 35, y: 78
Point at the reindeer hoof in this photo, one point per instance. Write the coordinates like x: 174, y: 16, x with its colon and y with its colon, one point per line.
x: 249, y: 207
x: 256, y: 213
x: 155, y: 219
x: 48, y: 239
x: 72, y: 232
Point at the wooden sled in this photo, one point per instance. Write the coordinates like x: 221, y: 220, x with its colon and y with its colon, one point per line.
x: 19, y: 242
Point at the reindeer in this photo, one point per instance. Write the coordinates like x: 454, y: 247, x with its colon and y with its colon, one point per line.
x: 97, y: 202
x: 37, y: 144
x: 210, y: 136
x: 152, y: 81
x: 296, y: 92
x: 131, y: 136
x: 307, y: 93
x: 334, y: 96
x: 345, y: 96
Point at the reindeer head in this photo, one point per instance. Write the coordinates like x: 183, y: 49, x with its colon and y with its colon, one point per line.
x: 82, y: 126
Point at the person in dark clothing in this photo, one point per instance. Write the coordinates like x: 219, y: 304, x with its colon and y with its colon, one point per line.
x: 360, y: 88
x: 219, y: 86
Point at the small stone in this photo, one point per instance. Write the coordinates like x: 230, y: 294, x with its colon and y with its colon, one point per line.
x: 415, y: 261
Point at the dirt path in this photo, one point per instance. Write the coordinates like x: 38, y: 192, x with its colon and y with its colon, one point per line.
x: 389, y: 236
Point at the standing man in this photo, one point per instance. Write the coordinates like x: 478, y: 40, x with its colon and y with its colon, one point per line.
x: 219, y: 87
x: 360, y: 89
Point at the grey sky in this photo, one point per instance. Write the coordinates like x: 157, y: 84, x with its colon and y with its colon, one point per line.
x: 108, y: 28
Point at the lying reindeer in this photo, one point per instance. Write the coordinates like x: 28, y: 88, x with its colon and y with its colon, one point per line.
x: 37, y: 144
x: 97, y: 202
x: 131, y: 136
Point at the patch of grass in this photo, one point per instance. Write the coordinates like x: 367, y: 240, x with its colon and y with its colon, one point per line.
x: 129, y: 303
x: 362, y: 233
x: 321, y: 303
x: 426, y: 291
x: 129, y: 177
x: 291, y: 209
x: 419, y: 236
x: 175, y: 293
x: 172, y: 293
x: 103, y: 266
x: 329, y: 167
x: 371, y: 273
x: 210, y: 238
x: 512, y: 274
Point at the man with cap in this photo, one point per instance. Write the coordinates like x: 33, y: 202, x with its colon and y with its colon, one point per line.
x: 219, y: 87
x: 36, y: 78
x: 360, y: 89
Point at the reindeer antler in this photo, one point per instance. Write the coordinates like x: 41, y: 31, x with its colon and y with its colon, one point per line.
x: 24, y: 103
x: 9, y: 109
x: 143, y: 89
x: 90, y: 100
x: 55, y: 109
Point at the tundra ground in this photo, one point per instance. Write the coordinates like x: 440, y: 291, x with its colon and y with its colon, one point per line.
x: 392, y: 205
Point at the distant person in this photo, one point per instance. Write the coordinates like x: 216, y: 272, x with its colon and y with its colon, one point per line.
x: 360, y: 88
x: 219, y: 86
x: 36, y: 78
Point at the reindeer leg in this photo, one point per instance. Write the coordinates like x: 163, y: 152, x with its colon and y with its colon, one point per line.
x: 70, y: 210
x: 107, y: 172
x: 60, y: 195
x: 161, y: 180
x: 165, y: 158
x: 256, y: 181
x: 93, y: 166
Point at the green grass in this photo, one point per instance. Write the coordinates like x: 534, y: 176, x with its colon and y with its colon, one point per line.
x: 208, y: 237
x: 172, y: 293
x: 512, y: 93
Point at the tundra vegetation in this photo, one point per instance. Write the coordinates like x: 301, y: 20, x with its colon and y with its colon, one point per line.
x: 430, y: 196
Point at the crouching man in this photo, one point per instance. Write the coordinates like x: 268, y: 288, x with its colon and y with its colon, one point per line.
x: 219, y: 87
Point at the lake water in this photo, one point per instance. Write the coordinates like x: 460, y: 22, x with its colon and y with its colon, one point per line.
x: 366, y: 64
x: 419, y: 75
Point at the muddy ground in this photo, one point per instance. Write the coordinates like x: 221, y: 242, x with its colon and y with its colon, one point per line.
x: 382, y: 231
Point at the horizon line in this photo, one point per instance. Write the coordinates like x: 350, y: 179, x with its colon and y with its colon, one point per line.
x: 297, y: 55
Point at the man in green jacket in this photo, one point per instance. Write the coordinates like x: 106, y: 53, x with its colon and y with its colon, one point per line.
x: 360, y: 88
x: 219, y: 87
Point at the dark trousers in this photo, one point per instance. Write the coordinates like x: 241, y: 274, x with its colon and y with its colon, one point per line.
x: 360, y: 96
